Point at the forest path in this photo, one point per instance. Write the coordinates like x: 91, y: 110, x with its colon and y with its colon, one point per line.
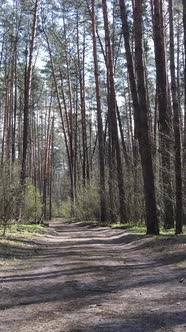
x: 82, y: 278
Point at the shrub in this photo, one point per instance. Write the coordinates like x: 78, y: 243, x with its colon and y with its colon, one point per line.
x: 13, y: 200
x: 87, y: 205
x: 9, y: 195
x: 66, y: 208
x: 32, y: 203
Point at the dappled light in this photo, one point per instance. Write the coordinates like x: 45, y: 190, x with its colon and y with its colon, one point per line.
x: 92, y: 165
x: 87, y: 279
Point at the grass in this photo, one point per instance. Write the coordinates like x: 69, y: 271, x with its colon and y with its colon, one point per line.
x: 141, y: 229
x: 19, y: 242
x: 132, y: 228
x: 129, y: 227
x: 24, y: 229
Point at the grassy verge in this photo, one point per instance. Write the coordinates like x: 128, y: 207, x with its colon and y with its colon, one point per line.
x: 141, y: 229
x: 129, y: 227
x: 20, y: 242
x: 24, y: 229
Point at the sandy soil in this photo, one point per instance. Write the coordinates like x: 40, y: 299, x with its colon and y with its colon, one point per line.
x: 81, y: 278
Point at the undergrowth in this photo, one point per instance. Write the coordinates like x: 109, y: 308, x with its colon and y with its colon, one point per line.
x: 24, y: 229
x: 129, y: 227
x: 141, y: 229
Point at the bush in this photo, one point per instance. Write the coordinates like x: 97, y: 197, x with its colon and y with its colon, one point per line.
x: 66, y: 208
x: 9, y: 195
x: 87, y: 205
x: 14, y: 203
x: 32, y: 203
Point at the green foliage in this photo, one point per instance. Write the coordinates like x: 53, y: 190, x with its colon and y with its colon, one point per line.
x: 140, y: 228
x: 66, y: 208
x: 9, y: 194
x: 131, y: 228
x: 32, y: 203
x: 16, y: 229
x: 11, y: 198
x: 87, y: 205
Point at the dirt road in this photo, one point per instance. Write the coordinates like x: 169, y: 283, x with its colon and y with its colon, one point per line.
x: 90, y: 279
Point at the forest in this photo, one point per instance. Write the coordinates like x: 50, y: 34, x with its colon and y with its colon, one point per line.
x: 93, y: 111
x: 92, y: 165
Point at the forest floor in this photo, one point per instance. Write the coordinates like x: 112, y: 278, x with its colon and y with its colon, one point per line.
x: 85, y: 278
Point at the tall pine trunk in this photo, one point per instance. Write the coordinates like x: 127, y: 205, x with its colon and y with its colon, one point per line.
x: 99, y: 120
x: 178, y: 175
x: 145, y: 146
x: 141, y: 123
x: 164, y: 113
x: 184, y: 134
x: 112, y: 116
x: 27, y: 94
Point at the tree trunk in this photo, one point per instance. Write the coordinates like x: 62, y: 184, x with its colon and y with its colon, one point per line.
x: 141, y: 126
x: 63, y: 125
x: 184, y: 27
x: 184, y: 134
x: 99, y: 120
x: 164, y: 113
x: 178, y: 175
x: 112, y: 115
x: 81, y: 69
x: 27, y: 92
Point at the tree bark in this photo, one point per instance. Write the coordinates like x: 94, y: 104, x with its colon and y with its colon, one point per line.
x: 112, y: 115
x: 99, y: 119
x: 141, y: 125
x: 184, y: 133
x: 178, y: 166
x: 27, y: 94
x: 164, y: 113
